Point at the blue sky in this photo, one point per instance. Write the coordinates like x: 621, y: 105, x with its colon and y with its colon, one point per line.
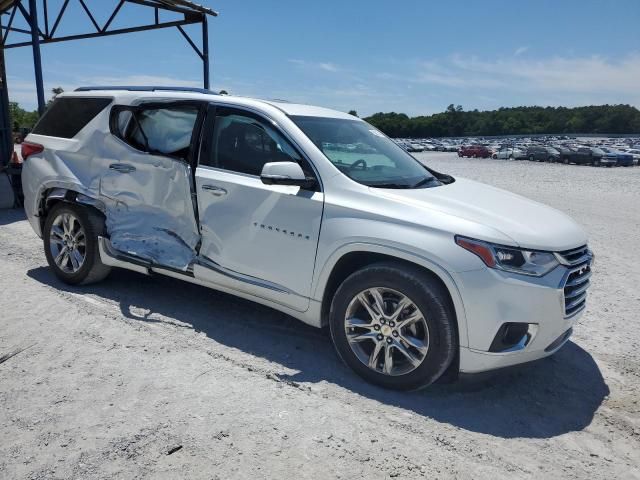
x: 407, y: 56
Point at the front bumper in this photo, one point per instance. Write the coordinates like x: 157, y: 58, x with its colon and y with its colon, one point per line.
x: 608, y: 161
x: 493, y: 298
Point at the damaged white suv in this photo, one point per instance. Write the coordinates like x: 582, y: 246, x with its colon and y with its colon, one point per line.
x: 312, y: 212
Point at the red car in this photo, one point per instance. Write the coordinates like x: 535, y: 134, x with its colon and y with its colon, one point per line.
x: 474, y: 151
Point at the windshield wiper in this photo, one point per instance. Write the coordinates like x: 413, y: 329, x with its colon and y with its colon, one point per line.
x: 424, y: 181
x: 388, y: 185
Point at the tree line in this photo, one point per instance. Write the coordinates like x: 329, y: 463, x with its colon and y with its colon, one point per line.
x: 456, y: 122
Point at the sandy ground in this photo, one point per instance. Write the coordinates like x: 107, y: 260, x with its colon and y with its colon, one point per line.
x: 153, y: 378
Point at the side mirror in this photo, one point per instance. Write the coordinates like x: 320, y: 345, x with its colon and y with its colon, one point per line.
x: 285, y: 173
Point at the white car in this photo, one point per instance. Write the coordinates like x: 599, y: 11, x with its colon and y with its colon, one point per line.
x: 416, y: 273
x: 510, y: 153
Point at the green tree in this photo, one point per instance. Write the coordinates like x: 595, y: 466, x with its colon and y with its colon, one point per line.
x: 455, y: 121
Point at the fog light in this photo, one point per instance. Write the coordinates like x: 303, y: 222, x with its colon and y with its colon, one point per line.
x: 512, y: 336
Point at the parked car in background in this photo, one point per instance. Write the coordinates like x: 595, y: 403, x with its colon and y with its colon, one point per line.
x: 581, y: 155
x: 474, y: 151
x: 510, y: 153
x: 608, y: 159
x: 635, y: 153
x: 414, y: 147
x: 564, y: 151
x: 616, y: 157
x: 540, y: 153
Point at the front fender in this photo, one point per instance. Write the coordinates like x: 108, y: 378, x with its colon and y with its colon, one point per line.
x: 447, y: 277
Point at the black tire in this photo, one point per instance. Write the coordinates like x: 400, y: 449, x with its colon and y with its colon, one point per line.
x: 510, y: 157
x: 427, y: 294
x: 532, y: 158
x: 566, y: 161
x: 596, y: 163
x: 495, y: 157
x: 550, y: 159
x: 92, y: 269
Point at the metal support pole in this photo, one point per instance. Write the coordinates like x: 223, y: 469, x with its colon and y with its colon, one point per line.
x: 205, y: 51
x: 37, y: 60
x: 6, y: 138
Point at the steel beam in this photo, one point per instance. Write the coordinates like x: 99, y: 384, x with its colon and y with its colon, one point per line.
x: 205, y: 52
x: 6, y: 138
x: 37, y: 60
x: 83, y: 36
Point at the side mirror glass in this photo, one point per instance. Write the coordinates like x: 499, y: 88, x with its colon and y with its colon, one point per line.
x: 285, y: 173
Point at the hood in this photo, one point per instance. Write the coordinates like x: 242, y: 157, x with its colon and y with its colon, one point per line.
x: 529, y: 224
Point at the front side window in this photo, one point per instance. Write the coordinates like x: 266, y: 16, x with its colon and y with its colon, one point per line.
x: 364, y: 154
x: 243, y: 143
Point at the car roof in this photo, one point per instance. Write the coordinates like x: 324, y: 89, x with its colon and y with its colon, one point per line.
x: 128, y: 95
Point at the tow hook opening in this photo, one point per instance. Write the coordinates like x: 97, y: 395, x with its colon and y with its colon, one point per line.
x: 513, y: 336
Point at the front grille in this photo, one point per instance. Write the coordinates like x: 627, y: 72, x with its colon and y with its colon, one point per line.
x: 575, y: 289
x: 575, y: 256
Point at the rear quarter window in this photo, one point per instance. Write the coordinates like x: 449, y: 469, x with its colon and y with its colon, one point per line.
x: 68, y: 115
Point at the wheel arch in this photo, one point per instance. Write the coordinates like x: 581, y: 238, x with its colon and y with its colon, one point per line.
x: 49, y: 197
x: 356, y: 256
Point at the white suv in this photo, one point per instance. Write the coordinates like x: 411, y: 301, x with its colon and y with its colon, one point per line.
x: 312, y: 212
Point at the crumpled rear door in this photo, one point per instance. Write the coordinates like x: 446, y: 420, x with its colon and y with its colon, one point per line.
x: 150, y: 211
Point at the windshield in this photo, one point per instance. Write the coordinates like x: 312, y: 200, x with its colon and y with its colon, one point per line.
x: 365, y: 154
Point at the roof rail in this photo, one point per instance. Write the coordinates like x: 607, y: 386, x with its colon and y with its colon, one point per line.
x: 135, y: 88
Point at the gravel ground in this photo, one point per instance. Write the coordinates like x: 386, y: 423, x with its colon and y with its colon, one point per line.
x: 154, y: 378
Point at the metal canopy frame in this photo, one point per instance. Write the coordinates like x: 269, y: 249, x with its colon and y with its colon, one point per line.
x: 45, y: 32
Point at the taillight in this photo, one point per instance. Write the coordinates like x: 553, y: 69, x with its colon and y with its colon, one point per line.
x: 29, y: 149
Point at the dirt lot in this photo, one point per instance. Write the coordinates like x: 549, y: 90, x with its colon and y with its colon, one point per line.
x: 154, y: 378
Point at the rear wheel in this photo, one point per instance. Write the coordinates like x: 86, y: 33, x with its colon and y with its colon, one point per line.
x: 566, y: 160
x: 531, y: 158
x: 393, y: 326
x: 596, y: 163
x: 71, y: 244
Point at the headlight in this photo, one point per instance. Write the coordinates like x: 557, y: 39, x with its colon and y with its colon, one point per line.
x: 510, y: 259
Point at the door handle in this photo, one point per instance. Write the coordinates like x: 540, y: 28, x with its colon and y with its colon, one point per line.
x: 122, y: 167
x: 217, y: 191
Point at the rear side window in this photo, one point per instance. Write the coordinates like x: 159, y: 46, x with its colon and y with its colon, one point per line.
x: 68, y: 115
x: 157, y: 130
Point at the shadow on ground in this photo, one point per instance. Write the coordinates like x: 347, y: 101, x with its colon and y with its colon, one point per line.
x: 544, y: 399
x: 11, y: 215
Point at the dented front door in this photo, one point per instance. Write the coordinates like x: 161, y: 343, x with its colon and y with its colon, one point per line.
x: 255, y: 237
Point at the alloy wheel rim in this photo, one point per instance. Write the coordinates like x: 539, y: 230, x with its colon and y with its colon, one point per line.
x: 386, y: 331
x: 68, y: 243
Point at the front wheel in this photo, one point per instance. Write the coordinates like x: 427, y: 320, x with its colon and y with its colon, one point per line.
x: 393, y: 326
x: 71, y: 244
